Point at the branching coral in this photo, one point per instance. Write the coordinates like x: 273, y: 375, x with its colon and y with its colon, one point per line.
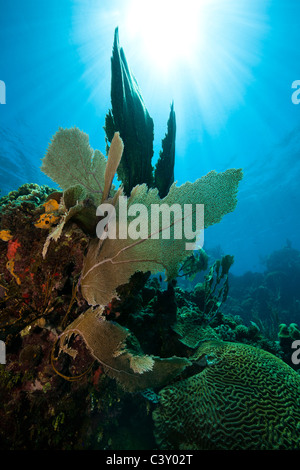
x: 196, y: 262
x: 216, y: 285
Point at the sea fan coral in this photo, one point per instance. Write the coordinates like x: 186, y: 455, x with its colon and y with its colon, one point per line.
x: 70, y: 160
x: 111, y: 262
x: 119, y: 352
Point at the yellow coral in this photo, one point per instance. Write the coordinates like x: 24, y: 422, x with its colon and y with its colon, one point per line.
x: 51, y: 206
x: 46, y: 220
x: 10, y: 267
x: 5, y: 235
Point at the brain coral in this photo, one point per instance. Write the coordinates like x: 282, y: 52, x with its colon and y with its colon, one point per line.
x: 245, y: 398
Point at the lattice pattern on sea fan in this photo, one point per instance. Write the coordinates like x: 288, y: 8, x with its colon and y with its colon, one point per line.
x: 107, y: 342
x: 70, y: 161
x: 111, y: 262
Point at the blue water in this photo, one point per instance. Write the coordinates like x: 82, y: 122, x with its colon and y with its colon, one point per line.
x: 233, y: 104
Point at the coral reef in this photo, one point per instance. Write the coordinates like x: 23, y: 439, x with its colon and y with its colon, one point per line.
x: 27, y: 193
x: 269, y: 298
x: 41, y: 389
x: 91, y: 328
x: 31, y: 288
x: 268, y: 303
x: 43, y: 294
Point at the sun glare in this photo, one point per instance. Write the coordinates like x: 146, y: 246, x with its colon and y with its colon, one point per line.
x: 167, y: 30
x: 200, y: 53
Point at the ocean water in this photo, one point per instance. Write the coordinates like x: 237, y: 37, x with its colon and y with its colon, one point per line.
x: 232, y: 70
x: 232, y: 98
